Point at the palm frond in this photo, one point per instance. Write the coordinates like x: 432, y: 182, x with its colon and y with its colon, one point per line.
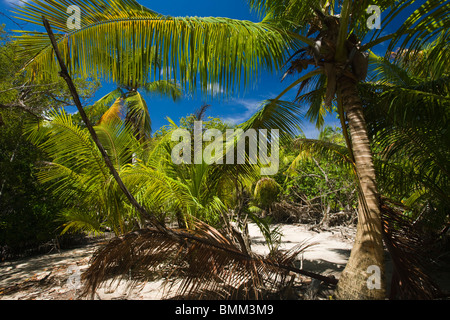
x: 276, y: 114
x: 423, y: 25
x: 109, y: 98
x: 431, y: 61
x: 408, y: 111
x: 138, y: 114
x: 385, y: 71
x: 76, y: 220
x: 98, y: 109
x: 118, y: 140
x: 66, y: 184
x: 313, y: 95
x: 409, y: 249
x: 194, y: 51
x: 272, y: 235
x: 80, y: 178
x: 213, y: 267
x: 114, y: 112
x: 65, y: 133
x: 164, y: 88
x: 334, y: 153
x: 158, y: 191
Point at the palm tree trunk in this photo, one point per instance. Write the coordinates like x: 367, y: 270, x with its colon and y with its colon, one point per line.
x: 363, y: 277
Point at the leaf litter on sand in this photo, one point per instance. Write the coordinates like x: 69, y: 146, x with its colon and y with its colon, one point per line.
x: 56, y: 266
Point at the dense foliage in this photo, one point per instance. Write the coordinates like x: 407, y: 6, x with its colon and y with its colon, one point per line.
x: 28, y: 210
x: 390, y: 155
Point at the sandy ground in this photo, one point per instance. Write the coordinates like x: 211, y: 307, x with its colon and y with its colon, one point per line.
x: 54, y: 276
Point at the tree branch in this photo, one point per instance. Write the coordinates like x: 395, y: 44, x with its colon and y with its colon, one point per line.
x: 22, y: 107
x: 179, y: 236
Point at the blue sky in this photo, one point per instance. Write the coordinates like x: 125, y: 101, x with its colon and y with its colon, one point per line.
x: 233, y: 109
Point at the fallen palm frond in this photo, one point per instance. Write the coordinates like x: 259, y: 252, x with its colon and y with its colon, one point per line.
x: 203, y: 263
x: 409, y: 249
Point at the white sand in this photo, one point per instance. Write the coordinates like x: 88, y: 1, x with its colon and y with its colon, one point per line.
x: 328, y: 256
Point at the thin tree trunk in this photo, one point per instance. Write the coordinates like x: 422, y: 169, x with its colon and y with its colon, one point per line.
x: 181, y: 237
x: 180, y: 220
x: 65, y: 74
x: 363, y: 277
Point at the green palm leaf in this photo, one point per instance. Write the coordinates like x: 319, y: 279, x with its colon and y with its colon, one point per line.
x: 164, y: 88
x: 80, y: 178
x: 98, y: 109
x: 408, y: 110
x: 191, y: 50
x: 138, y: 114
x: 333, y: 152
x: 276, y: 114
x: 76, y: 221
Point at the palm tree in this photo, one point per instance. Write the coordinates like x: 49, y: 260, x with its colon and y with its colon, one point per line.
x: 203, y: 51
x: 128, y: 101
x: 406, y: 104
x: 339, y: 63
x: 200, y: 192
x: 79, y: 177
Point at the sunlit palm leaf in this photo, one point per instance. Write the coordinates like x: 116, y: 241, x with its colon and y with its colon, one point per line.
x: 77, y: 220
x: 164, y: 89
x: 114, y: 112
x: 138, y: 114
x: 97, y: 110
x: 332, y: 152
x: 194, y: 51
x: 80, y: 178
x: 384, y: 71
x: 156, y: 189
x: 408, y: 111
x: 422, y: 26
x: 276, y: 114
x: 118, y: 141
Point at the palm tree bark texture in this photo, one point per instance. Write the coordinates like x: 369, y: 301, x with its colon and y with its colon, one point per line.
x: 367, y: 253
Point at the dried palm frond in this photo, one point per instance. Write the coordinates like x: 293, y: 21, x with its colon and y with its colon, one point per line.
x: 203, y: 263
x: 409, y: 249
x: 114, y: 112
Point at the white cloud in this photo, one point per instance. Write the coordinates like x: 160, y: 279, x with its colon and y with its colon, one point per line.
x: 249, y: 106
x: 310, y: 130
x: 15, y: 2
x: 214, y: 88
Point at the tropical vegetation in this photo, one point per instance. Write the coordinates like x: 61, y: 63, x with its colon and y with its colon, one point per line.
x: 385, y: 169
